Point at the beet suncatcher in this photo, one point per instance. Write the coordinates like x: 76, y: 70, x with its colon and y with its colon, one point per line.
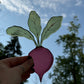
x: 43, y: 58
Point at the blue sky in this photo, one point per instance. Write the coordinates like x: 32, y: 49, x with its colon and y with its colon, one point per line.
x: 16, y: 12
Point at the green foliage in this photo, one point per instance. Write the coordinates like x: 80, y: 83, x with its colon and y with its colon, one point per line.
x: 69, y: 68
x: 1, y: 51
x: 35, y: 27
x: 74, y: 25
x: 13, y: 47
x: 1, y: 46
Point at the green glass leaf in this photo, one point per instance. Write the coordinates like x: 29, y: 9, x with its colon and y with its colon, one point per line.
x: 52, y: 26
x: 34, y: 24
x: 19, y: 31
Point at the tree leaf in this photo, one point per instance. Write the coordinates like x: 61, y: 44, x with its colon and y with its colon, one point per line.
x: 19, y: 31
x: 52, y: 26
x: 34, y: 24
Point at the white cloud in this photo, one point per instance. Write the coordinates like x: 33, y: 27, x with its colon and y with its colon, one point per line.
x: 65, y: 24
x: 64, y: 15
x: 20, y: 6
x: 25, y: 6
x: 52, y: 4
x: 44, y: 21
x: 78, y: 2
x: 72, y: 15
